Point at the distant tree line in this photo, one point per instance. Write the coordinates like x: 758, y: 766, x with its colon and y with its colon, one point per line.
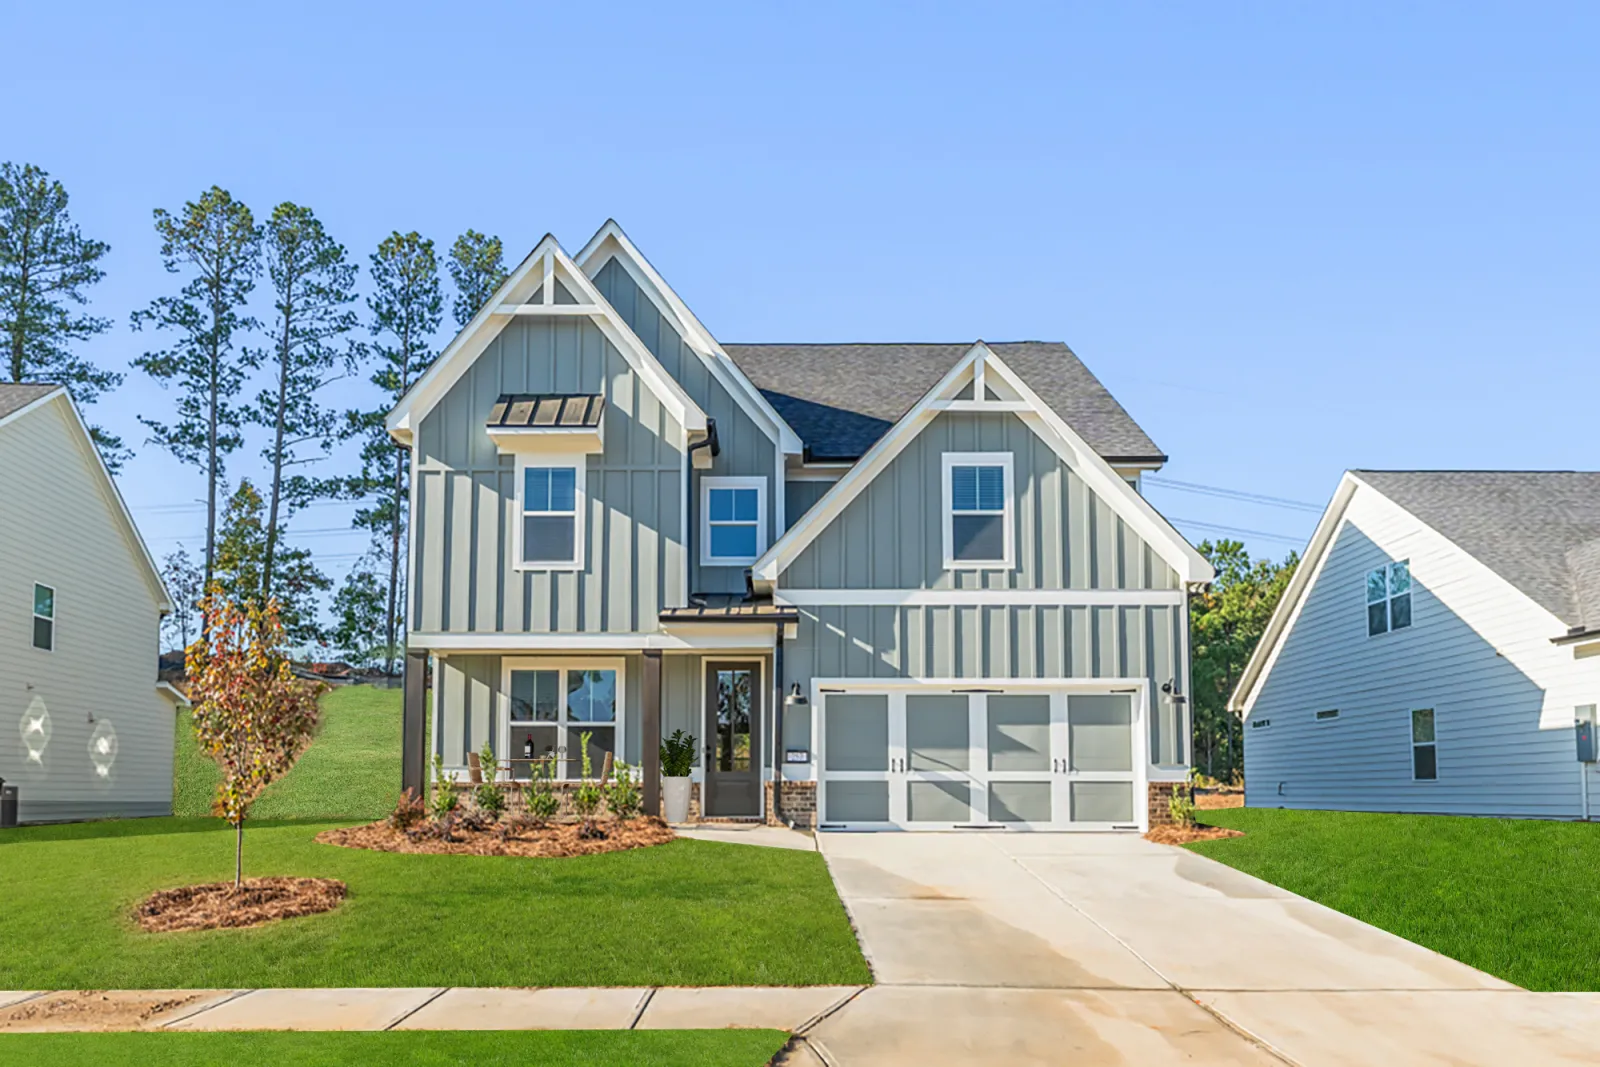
x: 213, y: 346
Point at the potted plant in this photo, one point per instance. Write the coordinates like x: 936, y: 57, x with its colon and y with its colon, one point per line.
x: 677, y: 761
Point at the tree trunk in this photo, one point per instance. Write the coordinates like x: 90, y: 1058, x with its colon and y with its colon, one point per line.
x: 277, y: 454
x: 19, y: 346
x: 238, y: 855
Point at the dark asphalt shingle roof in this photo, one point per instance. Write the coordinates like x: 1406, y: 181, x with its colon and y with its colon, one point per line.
x: 840, y: 398
x: 14, y: 396
x: 1539, y: 530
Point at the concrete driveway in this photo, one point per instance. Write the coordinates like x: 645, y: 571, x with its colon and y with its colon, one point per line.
x: 1019, y: 949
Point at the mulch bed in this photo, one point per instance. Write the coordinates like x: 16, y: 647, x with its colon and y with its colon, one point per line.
x: 554, y: 840
x: 1213, y: 799
x: 216, y: 906
x: 1182, y: 835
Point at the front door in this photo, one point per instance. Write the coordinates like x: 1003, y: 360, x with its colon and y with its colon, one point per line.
x: 733, y: 743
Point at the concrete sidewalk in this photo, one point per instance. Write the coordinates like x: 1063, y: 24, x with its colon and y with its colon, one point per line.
x: 641, y: 1008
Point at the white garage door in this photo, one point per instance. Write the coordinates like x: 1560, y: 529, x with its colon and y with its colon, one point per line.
x: 993, y: 755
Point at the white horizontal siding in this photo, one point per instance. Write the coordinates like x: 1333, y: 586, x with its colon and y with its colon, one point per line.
x: 1478, y: 652
x: 58, y: 526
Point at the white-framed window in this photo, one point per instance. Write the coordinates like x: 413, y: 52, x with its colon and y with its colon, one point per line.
x: 733, y: 520
x: 551, y: 505
x: 44, y: 617
x: 1389, y: 598
x: 548, y: 705
x: 1424, y: 749
x: 978, y: 507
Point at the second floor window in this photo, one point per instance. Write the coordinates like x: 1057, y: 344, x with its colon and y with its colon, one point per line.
x: 44, y: 618
x: 552, y: 515
x: 977, y: 509
x: 733, y: 521
x: 1389, y: 598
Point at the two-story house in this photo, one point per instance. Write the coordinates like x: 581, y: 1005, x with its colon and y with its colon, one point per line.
x: 915, y: 584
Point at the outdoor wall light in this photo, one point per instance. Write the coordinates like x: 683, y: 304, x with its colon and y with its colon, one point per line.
x: 795, y: 697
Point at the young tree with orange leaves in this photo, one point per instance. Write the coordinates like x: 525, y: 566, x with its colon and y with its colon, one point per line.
x: 251, y: 715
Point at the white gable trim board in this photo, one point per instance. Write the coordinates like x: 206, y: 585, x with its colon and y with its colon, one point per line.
x: 546, y: 264
x: 1013, y: 396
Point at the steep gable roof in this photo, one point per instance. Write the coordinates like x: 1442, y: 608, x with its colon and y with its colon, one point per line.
x: 841, y: 398
x: 1529, y: 527
x: 14, y: 396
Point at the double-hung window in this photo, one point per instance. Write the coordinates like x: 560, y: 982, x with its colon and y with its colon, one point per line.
x: 551, y: 707
x: 1389, y: 598
x: 733, y: 521
x: 1424, y: 749
x: 44, y: 618
x: 978, y: 505
x: 550, y: 497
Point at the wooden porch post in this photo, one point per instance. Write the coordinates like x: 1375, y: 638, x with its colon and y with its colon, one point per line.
x: 413, y: 735
x: 650, y: 741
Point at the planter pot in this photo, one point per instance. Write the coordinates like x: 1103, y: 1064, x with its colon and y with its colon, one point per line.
x: 675, y: 799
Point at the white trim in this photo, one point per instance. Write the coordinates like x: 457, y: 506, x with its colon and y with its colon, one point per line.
x: 33, y: 405
x: 721, y: 637
x: 564, y: 729
x: 580, y: 503
x: 174, y: 694
x: 948, y: 461
x: 592, y: 260
x: 707, y: 484
x: 470, y: 343
x: 35, y: 616
x: 993, y: 597
x: 812, y: 474
x: 982, y: 405
x: 548, y: 310
x: 1097, y: 474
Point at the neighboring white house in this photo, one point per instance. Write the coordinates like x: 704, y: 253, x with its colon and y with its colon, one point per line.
x: 1434, y: 651
x: 86, y: 731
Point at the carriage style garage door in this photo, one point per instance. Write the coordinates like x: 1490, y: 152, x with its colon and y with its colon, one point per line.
x: 986, y: 754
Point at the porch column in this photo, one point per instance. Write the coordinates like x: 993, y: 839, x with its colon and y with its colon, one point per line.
x: 650, y: 739
x: 413, y: 735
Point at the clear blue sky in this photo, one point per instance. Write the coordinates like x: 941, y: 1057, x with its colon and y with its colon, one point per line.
x: 1291, y: 239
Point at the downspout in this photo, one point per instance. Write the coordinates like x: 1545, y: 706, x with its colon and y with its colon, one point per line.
x: 777, y: 728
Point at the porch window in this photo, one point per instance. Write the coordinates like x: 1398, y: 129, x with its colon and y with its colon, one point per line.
x: 552, y: 707
x: 44, y: 618
x: 733, y: 521
x: 1389, y: 598
x: 977, y: 510
x: 551, y: 528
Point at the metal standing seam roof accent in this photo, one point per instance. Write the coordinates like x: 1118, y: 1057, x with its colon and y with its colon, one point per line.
x: 546, y: 411
x: 1539, y: 530
x: 840, y: 398
x: 731, y: 609
x: 14, y: 396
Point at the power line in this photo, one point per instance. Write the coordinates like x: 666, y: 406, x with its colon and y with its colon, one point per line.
x: 1215, y: 528
x: 1231, y: 494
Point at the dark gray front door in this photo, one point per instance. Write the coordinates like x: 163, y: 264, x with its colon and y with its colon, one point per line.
x: 733, y: 739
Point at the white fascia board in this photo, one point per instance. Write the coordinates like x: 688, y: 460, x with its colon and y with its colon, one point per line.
x: 530, y: 274
x: 593, y: 258
x: 1293, y: 599
x: 868, y: 467
x: 988, y: 597
x: 108, y: 484
x: 33, y: 405
x: 173, y: 693
x: 1135, y: 510
x: 719, y: 638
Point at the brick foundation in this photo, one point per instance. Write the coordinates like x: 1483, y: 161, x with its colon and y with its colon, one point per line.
x: 799, y: 802
x: 1160, y: 794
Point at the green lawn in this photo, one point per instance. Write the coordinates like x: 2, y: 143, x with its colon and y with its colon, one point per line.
x: 592, y: 1048
x: 352, y: 768
x: 685, y: 913
x: 1515, y: 897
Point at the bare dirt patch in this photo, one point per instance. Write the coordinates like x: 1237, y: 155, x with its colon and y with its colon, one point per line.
x: 553, y: 841
x: 94, y: 1009
x: 1182, y: 835
x: 1214, y: 799
x: 216, y: 906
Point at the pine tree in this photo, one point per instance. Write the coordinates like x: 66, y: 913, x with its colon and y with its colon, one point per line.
x: 358, y: 616
x: 217, y: 240
x: 184, y: 584
x: 46, y: 266
x: 313, y: 287
x: 478, y: 268
x: 241, y: 558
x: 406, y: 308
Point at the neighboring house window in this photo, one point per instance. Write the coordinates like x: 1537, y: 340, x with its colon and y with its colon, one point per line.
x: 1328, y: 716
x: 733, y: 521
x: 1424, y: 751
x: 1389, y: 598
x: 44, y: 617
x: 551, y: 708
x: 977, y: 510
x: 551, y: 532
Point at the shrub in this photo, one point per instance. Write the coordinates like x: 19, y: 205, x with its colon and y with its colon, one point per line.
x: 587, y: 797
x: 409, y: 811
x: 542, y: 801
x: 1180, y: 806
x: 443, y: 800
x: 622, y: 792
x: 490, y: 797
x: 677, y: 755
